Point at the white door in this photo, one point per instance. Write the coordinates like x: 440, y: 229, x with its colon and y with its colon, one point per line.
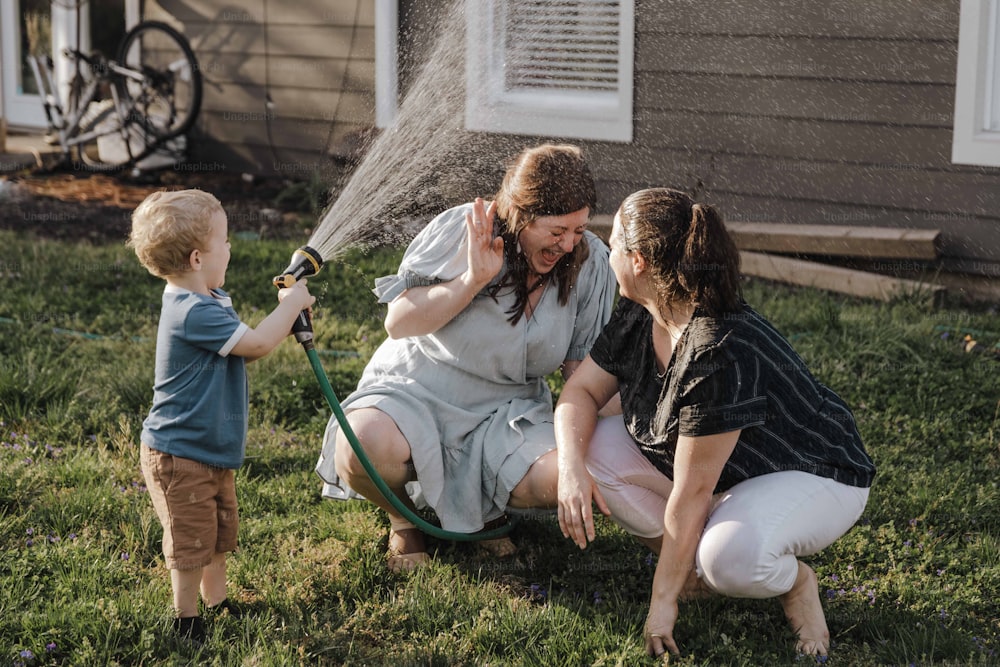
x: 21, y: 21
x: 49, y: 26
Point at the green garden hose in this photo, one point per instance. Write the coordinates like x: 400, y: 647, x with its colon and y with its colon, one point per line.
x: 394, y: 500
x: 306, y: 261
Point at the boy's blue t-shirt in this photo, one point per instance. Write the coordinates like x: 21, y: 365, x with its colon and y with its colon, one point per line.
x: 200, y: 395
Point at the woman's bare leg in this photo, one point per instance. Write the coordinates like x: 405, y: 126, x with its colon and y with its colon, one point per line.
x: 805, y: 613
x: 389, y: 453
x: 537, y: 490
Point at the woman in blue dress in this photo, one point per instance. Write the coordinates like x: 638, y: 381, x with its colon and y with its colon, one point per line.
x: 491, y: 297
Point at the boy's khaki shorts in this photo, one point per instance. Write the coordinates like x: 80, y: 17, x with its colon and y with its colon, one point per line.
x: 196, y: 505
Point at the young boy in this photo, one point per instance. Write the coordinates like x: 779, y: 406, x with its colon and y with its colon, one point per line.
x: 194, y: 436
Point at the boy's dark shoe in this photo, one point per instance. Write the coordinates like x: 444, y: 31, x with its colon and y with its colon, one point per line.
x: 191, y: 628
x: 227, y: 606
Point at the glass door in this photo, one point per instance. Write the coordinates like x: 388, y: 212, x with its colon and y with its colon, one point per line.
x: 48, y: 27
x: 25, y: 27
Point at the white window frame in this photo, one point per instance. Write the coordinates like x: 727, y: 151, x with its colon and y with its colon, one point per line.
x: 386, y: 62
x: 571, y: 114
x: 976, y: 138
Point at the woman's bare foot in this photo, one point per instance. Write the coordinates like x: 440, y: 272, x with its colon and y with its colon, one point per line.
x: 501, y: 547
x: 406, y: 550
x: 695, y: 588
x: 805, y: 613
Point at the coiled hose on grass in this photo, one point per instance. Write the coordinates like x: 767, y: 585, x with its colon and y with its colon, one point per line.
x: 394, y: 500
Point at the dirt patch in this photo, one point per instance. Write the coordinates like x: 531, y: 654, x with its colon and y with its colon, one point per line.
x: 97, y: 207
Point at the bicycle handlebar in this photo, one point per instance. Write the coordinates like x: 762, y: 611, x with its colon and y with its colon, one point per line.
x: 93, y: 60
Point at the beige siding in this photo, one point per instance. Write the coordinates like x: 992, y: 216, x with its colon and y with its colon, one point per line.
x: 316, y: 59
x: 803, y: 112
x: 837, y: 113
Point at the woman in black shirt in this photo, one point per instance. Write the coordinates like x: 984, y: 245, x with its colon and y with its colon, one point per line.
x: 730, y: 459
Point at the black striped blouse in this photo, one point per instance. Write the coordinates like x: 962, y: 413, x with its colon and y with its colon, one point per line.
x: 728, y: 373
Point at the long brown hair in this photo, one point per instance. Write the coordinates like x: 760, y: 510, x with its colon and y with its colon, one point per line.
x: 551, y: 179
x: 691, y: 256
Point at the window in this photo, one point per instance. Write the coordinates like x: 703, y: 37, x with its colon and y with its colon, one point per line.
x: 977, y: 85
x: 558, y: 68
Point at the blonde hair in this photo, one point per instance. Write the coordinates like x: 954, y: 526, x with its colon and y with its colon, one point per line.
x: 167, y: 226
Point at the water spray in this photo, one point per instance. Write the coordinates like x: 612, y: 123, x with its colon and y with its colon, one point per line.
x: 307, y: 262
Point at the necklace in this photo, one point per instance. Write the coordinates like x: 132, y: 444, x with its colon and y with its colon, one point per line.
x: 675, y: 342
x: 540, y: 279
x: 529, y: 309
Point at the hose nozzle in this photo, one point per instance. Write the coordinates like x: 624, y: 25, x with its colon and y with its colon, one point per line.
x: 305, y: 262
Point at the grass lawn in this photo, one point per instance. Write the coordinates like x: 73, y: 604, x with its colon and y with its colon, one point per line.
x: 82, y: 580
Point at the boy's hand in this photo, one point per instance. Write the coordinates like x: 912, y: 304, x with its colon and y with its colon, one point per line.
x: 299, y: 294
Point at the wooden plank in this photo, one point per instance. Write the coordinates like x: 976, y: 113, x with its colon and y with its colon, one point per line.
x: 855, y: 102
x: 835, y: 279
x: 246, y: 12
x: 839, y: 240
x: 312, y: 41
x: 969, y: 237
x: 804, y: 138
x: 289, y: 71
x: 811, y: 57
x: 960, y: 191
x: 287, y: 132
x: 245, y: 103
x: 885, y: 19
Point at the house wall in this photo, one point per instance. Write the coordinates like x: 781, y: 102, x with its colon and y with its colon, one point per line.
x: 801, y: 112
x: 317, y: 60
x: 837, y: 113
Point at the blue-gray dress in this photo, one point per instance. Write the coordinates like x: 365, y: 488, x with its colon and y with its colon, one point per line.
x: 471, y: 398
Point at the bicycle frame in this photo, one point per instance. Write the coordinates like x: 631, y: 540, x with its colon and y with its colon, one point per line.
x: 133, y: 110
x: 67, y: 125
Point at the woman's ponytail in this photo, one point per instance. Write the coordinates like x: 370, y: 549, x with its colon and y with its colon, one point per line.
x: 710, y: 267
x: 692, y: 256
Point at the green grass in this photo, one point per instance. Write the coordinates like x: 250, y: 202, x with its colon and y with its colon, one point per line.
x: 915, y: 582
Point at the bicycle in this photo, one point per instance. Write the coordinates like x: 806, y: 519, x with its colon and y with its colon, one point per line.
x: 120, y: 112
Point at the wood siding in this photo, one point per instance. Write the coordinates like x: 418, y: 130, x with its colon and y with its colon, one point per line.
x: 779, y: 111
x: 799, y: 112
x: 811, y: 113
x: 317, y: 59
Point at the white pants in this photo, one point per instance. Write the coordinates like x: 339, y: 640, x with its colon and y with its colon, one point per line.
x: 755, y: 530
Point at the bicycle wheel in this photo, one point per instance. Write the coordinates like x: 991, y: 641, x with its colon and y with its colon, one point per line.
x: 163, y: 88
x: 112, y: 141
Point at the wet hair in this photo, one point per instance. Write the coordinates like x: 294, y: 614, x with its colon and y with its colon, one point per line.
x: 547, y: 180
x: 690, y: 254
x: 167, y: 226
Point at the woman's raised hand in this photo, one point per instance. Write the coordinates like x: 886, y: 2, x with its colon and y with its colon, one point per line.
x: 485, y: 252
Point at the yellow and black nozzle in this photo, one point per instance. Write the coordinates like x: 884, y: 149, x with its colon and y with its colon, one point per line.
x: 305, y: 262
